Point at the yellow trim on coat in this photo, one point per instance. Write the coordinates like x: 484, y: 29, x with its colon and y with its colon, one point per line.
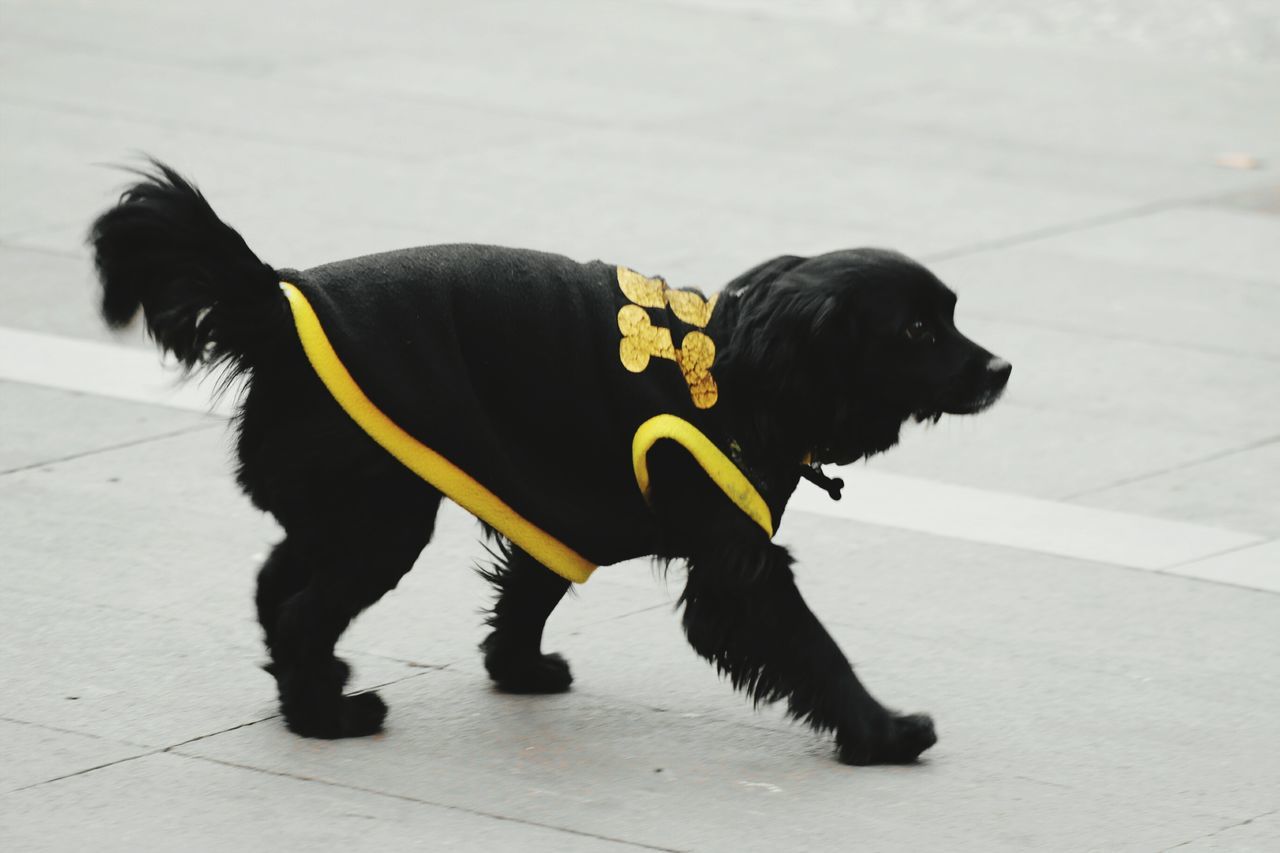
x: 422, y: 460
x: 719, y: 467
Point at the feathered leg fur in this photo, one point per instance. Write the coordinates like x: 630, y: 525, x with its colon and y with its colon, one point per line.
x: 527, y: 592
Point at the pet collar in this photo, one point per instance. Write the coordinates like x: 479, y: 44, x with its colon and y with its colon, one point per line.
x: 812, y: 471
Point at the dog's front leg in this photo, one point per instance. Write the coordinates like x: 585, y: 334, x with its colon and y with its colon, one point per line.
x: 742, y: 612
x: 527, y: 593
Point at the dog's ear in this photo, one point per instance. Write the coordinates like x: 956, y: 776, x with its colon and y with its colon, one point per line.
x: 763, y: 274
x: 782, y: 341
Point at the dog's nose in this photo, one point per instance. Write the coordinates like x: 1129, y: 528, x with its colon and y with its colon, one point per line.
x: 999, y: 369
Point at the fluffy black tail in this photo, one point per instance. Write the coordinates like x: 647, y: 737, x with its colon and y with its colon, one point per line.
x: 206, y: 297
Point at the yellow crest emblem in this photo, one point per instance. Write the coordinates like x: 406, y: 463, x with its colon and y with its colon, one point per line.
x: 641, y: 340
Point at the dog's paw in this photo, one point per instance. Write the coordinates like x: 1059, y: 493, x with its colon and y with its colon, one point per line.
x: 518, y: 667
x: 313, y: 704
x: 351, y: 716
x: 363, y: 714
x: 894, y: 739
x: 529, y: 674
x: 913, y: 734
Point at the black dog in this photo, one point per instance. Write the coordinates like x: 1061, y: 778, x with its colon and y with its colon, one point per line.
x: 585, y: 413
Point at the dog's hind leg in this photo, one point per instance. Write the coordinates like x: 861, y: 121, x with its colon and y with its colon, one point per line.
x: 742, y: 612
x: 348, y: 562
x: 527, y: 592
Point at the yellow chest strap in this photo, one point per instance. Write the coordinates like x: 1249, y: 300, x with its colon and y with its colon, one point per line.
x: 718, y: 466
x: 451, y: 480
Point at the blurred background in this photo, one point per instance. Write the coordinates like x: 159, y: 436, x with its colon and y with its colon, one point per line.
x: 1081, y: 584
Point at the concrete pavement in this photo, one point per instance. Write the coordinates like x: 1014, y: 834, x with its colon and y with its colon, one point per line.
x: 1080, y: 585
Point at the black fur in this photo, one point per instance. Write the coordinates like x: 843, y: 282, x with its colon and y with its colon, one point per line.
x: 207, y: 298
x: 526, y: 595
x: 824, y: 357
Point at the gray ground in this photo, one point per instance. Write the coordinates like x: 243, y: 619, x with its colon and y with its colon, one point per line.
x: 1097, y: 638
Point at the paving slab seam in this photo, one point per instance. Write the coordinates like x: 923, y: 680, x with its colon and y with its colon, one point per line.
x: 148, y: 751
x: 405, y: 798
x: 416, y: 664
x: 1181, y: 466
x: 17, y: 722
x: 171, y: 747
x: 175, y: 750
x: 1069, y: 227
x: 1243, y: 547
x: 1224, y: 829
x: 112, y: 447
x: 85, y: 771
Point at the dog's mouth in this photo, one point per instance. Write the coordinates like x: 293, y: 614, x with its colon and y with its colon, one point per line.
x: 856, y: 436
x: 982, y: 401
x: 966, y: 406
x: 996, y: 376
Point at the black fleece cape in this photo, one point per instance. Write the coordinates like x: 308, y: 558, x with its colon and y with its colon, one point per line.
x: 529, y: 372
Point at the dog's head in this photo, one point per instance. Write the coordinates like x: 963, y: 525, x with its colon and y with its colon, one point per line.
x: 843, y: 348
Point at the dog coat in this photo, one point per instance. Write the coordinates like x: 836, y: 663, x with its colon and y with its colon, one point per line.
x: 526, y: 387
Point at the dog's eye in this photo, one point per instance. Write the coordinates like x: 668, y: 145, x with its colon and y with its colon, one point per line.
x: 918, y: 332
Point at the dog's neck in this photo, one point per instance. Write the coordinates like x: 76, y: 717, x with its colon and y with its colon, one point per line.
x: 789, y: 442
